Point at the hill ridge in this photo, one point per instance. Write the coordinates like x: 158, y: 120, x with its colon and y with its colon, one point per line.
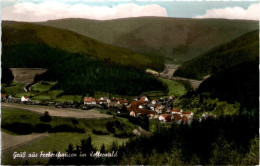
x: 161, y: 36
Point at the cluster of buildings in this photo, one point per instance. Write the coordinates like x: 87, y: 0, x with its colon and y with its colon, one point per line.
x: 5, y: 97
x: 157, y: 109
x: 160, y: 109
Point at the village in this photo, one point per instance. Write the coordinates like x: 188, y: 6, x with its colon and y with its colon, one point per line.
x: 156, y: 109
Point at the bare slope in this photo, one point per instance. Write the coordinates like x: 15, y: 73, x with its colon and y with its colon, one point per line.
x: 178, y: 40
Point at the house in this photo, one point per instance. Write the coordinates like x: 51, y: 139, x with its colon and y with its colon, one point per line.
x: 99, y: 101
x: 171, y: 97
x: 154, y: 101
x: 89, y: 100
x: 177, y: 111
x: 158, y: 108
x: 122, y: 101
x: 3, y: 96
x: 144, y: 98
x: 140, y: 107
x: 24, y: 98
x: 134, y: 105
x: 151, y: 106
x: 165, y: 118
x: 141, y: 112
x: 177, y: 118
x: 187, y: 114
x: 112, y: 104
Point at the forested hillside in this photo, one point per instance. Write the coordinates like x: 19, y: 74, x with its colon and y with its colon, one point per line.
x: 176, y: 39
x: 243, y: 49
x: 236, y: 84
x: 76, y: 73
x: 16, y: 33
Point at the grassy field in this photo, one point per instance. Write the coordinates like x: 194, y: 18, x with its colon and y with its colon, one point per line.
x: 175, y: 88
x: 12, y: 115
x: 13, y: 88
x: 59, y: 141
x: 42, y: 91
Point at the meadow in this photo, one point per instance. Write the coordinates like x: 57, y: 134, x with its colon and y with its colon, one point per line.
x: 62, y: 132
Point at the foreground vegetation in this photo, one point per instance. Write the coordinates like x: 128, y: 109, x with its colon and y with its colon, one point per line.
x: 238, y: 84
x: 212, y: 141
x: 19, y: 121
x: 62, y: 132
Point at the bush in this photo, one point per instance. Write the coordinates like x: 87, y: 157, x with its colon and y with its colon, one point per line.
x: 19, y: 128
x: 46, y: 117
x: 110, y: 127
x: 74, y: 121
x: 41, y: 128
x: 99, y: 132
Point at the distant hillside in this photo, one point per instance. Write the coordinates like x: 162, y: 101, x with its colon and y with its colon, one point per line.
x: 15, y: 33
x: 76, y: 73
x: 242, y: 49
x: 239, y: 83
x: 176, y: 39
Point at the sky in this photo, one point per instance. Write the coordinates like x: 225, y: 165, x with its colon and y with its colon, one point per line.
x: 43, y: 10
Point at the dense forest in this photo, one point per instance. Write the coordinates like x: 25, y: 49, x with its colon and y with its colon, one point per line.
x: 78, y: 74
x: 236, y: 84
x: 18, y: 33
x: 244, y: 48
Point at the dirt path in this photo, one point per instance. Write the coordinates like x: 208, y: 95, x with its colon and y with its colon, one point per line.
x: 60, y: 112
x: 10, y: 142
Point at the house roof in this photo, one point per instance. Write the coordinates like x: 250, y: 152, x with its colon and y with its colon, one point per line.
x: 135, y: 104
x: 185, y: 120
x: 157, y: 105
x: 167, y: 117
x: 176, y: 110
x: 89, y: 99
x: 141, y: 110
x: 123, y: 101
x: 3, y: 95
x: 177, y: 117
x: 143, y: 98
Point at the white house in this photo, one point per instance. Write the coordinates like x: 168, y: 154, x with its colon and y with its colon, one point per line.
x: 177, y: 111
x: 24, y: 98
x: 89, y: 100
x: 144, y: 98
x: 165, y: 118
x: 140, y: 107
x: 153, y: 102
